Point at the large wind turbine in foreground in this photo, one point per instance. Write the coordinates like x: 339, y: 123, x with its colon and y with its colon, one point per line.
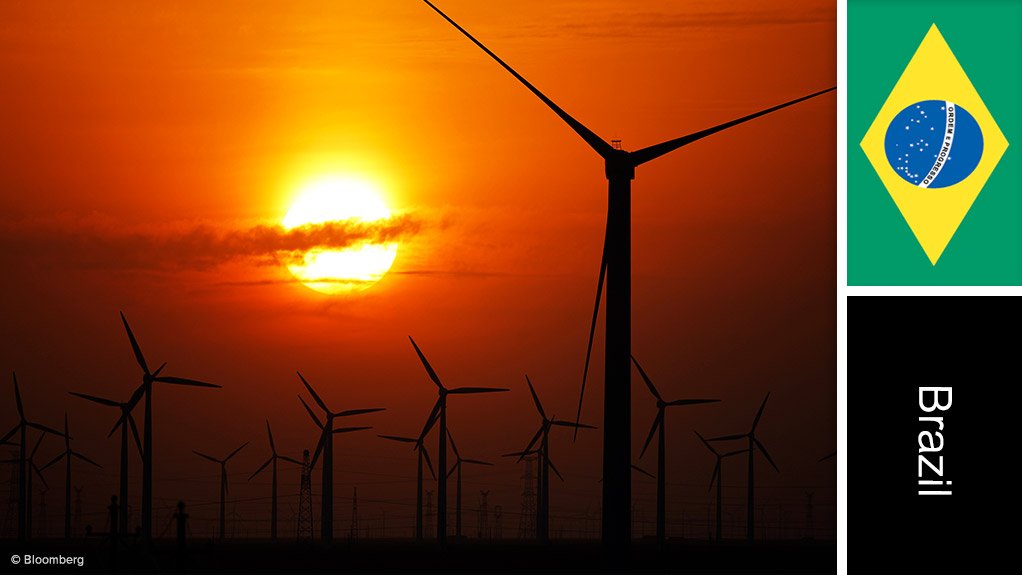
x: 615, y: 267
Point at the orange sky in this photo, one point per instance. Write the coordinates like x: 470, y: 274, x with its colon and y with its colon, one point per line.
x: 128, y: 125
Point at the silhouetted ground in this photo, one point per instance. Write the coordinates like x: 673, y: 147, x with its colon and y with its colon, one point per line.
x: 402, y: 556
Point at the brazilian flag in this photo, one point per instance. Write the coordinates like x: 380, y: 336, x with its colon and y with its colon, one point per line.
x: 934, y: 188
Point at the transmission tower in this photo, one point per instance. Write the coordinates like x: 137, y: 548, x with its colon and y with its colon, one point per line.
x: 76, y: 521
x: 809, y: 515
x: 353, y: 533
x: 498, y: 525
x: 527, y: 519
x: 430, y: 519
x: 484, y: 516
x: 305, y: 532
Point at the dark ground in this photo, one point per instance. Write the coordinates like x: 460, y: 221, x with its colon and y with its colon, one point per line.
x: 402, y: 556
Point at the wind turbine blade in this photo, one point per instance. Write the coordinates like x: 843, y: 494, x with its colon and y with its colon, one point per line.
x: 55, y: 459
x: 40, y: 474
x: 736, y: 452
x: 425, y: 363
x: 398, y: 438
x: 319, y: 448
x: 592, y: 330
x: 826, y: 457
x: 315, y: 395
x: 10, y: 433
x: 185, y: 381
x: 554, y: 469
x: 204, y: 456
x: 17, y: 397
x: 42, y: 427
x: 159, y: 370
x: 273, y: 448
x: 136, y: 396
x: 729, y: 437
x: 643, y: 471
x: 95, y: 399
x: 562, y: 423
x: 692, y: 401
x: 476, y: 462
x: 518, y: 454
x: 289, y: 459
x: 649, y: 383
x: 350, y: 412
x: 350, y: 429
x: 535, y: 398
x: 657, y: 421
x: 716, y: 472
x: 134, y: 433
x: 134, y: 345
x: 429, y: 463
x: 431, y: 420
x: 120, y: 420
x: 766, y: 454
x: 261, y: 467
x: 595, y: 142
x: 454, y: 446
x: 535, y: 438
x: 463, y: 390
x: 85, y: 459
x: 759, y: 413
x: 449, y: 473
x: 311, y: 414
x: 235, y: 452
x: 706, y: 443
x: 653, y: 152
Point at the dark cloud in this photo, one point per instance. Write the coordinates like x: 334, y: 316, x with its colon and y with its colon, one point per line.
x: 66, y: 242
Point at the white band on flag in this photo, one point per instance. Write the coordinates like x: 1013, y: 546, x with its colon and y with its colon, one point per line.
x: 945, y: 148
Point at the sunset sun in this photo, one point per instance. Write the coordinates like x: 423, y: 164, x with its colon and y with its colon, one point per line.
x: 337, y: 271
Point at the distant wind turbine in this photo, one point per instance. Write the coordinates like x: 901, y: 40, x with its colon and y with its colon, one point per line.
x: 543, y: 437
x: 273, y: 490
x: 458, y: 461
x: 421, y: 454
x: 753, y: 444
x: 326, y: 447
x: 24, y: 473
x: 66, y: 455
x: 123, y: 422
x: 658, y: 424
x: 148, y: 378
x: 615, y: 266
x: 440, y: 412
x: 223, y: 482
x: 718, y: 476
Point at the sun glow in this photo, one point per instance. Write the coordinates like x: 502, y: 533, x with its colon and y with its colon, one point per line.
x: 338, y: 271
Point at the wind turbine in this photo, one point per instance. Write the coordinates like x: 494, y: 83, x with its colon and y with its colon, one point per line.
x: 753, y: 444
x: 718, y: 475
x: 148, y: 378
x: 440, y: 411
x: 661, y: 473
x: 457, y: 467
x: 615, y: 267
x: 326, y: 446
x: 123, y: 422
x: 543, y: 436
x: 32, y: 467
x: 66, y: 456
x: 273, y: 490
x: 223, y: 482
x: 421, y: 452
x: 24, y: 473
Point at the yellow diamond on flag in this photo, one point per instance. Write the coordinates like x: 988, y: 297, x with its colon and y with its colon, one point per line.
x: 934, y: 144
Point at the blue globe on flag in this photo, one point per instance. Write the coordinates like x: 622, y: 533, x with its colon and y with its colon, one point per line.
x: 934, y: 144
